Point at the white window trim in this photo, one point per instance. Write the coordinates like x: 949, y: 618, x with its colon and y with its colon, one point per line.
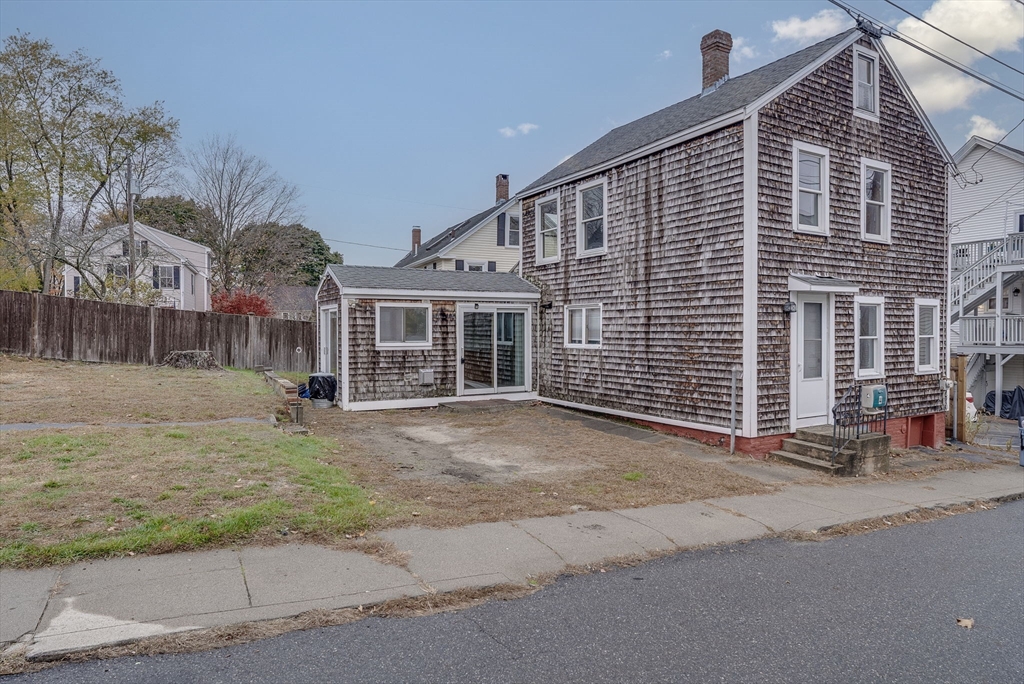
x: 858, y: 52
x: 565, y: 325
x: 918, y: 305
x: 476, y: 262
x: 404, y: 345
x: 582, y: 253
x: 886, y: 236
x: 879, y: 371
x: 508, y: 230
x: 537, y: 230
x: 826, y: 184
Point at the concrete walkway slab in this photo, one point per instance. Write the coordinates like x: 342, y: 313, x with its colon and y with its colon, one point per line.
x: 479, y: 555
x: 23, y: 598
x: 843, y: 499
x: 302, y: 573
x: 592, y: 536
x: 696, y: 524
x: 778, y: 513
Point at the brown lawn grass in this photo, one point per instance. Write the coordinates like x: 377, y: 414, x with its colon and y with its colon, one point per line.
x: 38, y: 391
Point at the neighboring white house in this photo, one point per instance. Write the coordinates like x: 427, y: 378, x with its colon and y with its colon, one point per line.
x: 986, y: 210
x: 179, y: 268
x: 488, y: 241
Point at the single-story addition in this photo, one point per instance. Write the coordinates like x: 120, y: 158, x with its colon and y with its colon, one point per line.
x: 408, y: 338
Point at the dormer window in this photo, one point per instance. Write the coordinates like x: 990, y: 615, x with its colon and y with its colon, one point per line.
x: 865, y: 83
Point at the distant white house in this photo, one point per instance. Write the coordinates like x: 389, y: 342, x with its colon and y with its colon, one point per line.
x: 987, y: 265
x: 179, y: 268
x: 488, y: 241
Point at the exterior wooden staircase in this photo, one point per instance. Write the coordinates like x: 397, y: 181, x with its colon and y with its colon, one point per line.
x: 975, y: 267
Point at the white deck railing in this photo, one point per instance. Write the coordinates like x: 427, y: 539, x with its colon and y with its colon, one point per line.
x: 979, y: 276
x: 981, y: 330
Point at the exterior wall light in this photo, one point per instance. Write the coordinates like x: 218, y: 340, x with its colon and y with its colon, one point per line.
x: 789, y: 307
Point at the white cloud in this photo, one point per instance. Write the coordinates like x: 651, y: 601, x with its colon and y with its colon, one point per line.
x: 523, y: 128
x: 824, y: 24
x: 742, y: 49
x: 664, y: 54
x: 994, y: 26
x: 985, y: 128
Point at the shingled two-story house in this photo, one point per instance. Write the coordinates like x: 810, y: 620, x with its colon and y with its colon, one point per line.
x: 788, y: 224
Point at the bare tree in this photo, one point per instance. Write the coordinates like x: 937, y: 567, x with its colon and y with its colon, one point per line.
x: 240, y: 191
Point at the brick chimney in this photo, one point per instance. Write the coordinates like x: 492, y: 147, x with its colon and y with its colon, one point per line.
x: 715, y: 48
x: 416, y: 233
x: 501, y: 188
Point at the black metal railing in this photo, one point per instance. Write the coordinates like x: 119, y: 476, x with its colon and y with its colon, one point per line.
x: 850, y: 420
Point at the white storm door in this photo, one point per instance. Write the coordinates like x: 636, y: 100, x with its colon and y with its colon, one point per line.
x: 813, y: 359
x: 328, y: 342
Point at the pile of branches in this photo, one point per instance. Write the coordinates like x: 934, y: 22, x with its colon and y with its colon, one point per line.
x: 197, y: 358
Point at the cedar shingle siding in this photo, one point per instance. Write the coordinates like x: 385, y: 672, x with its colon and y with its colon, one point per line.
x: 670, y: 286
x: 819, y: 110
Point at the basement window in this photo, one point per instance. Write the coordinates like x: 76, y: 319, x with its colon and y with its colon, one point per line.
x: 926, y: 327
x: 403, y: 326
x: 869, y: 335
x: 583, y: 326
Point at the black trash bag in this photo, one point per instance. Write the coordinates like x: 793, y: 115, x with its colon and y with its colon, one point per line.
x: 1013, y: 403
x: 322, y: 386
x: 303, y: 391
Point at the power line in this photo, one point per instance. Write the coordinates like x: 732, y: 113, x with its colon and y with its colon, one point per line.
x: 363, y: 244
x: 1005, y: 136
x: 981, y: 52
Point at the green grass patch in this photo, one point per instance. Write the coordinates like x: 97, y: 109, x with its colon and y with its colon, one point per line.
x: 633, y: 476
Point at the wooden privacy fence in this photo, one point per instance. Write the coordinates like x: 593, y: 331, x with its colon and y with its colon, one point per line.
x: 71, y: 329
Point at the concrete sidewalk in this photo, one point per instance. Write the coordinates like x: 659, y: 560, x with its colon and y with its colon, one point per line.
x: 55, y: 611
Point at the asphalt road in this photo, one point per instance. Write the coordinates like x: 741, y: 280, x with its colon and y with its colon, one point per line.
x: 880, y: 607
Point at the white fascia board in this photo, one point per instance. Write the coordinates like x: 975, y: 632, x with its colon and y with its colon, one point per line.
x: 797, y: 285
x: 914, y: 104
x: 750, y: 276
x: 802, y: 74
x: 629, y: 414
x: 365, y: 293
x: 690, y: 133
x: 975, y: 141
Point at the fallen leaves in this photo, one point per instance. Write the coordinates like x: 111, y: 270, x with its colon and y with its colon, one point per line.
x: 966, y: 623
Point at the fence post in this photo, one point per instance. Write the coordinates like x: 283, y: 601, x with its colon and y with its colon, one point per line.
x: 250, y: 351
x: 959, y: 364
x: 36, y: 348
x: 152, y: 334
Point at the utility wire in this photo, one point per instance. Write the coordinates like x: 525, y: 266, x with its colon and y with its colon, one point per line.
x: 981, y: 52
x: 893, y: 33
x: 1005, y: 136
x: 957, y: 223
x: 363, y: 244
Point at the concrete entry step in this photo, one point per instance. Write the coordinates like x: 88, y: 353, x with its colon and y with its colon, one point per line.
x: 812, y: 449
x: 808, y: 462
x: 819, y: 434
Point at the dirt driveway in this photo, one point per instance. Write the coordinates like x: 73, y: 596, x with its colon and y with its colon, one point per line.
x: 459, y: 467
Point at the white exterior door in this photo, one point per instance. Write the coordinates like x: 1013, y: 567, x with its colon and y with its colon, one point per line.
x: 493, y: 349
x: 328, y: 325
x: 813, y: 360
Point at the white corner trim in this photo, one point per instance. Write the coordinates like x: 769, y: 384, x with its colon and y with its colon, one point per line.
x: 750, y: 259
x: 433, y: 402
x: 635, y: 416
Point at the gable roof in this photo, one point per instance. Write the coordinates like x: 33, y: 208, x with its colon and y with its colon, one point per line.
x: 393, y: 278
x: 977, y: 141
x: 736, y: 93
x: 433, y: 247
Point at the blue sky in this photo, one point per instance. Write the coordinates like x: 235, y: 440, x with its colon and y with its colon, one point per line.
x: 389, y: 115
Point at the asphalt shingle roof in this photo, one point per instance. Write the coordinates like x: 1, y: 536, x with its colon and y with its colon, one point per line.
x: 733, y: 94
x: 431, y: 247
x: 394, y: 278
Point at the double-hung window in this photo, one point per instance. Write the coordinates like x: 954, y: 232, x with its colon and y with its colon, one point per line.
x: 513, y: 231
x: 875, y: 200
x: 926, y: 333
x: 810, y: 189
x: 865, y: 83
x: 869, y: 337
x: 590, y: 218
x: 403, y: 325
x: 583, y: 326
x: 167, y: 277
x: 548, y: 230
